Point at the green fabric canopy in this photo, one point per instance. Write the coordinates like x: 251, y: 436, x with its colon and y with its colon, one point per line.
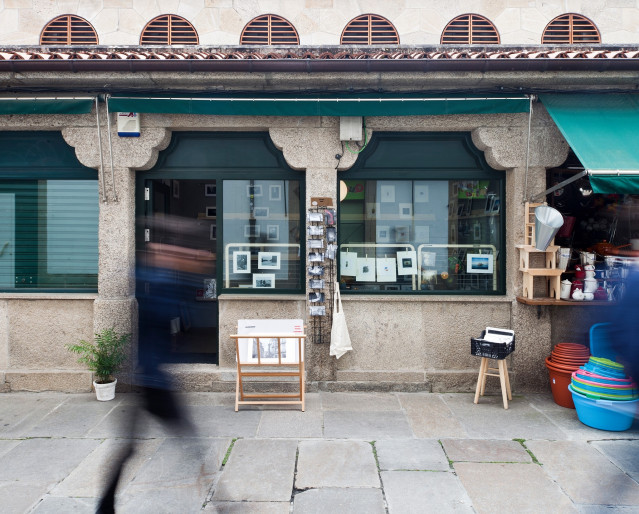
x: 603, y: 131
x: 44, y: 105
x: 360, y: 105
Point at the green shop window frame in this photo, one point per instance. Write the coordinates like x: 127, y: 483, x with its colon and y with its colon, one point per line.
x: 49, y: 209
x: 223, y: 158
x: 433, y: 198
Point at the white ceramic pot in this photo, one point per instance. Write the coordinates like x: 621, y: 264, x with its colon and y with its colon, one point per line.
x: 105, y: 392
x: 590, y: 285
x: 564, y: 292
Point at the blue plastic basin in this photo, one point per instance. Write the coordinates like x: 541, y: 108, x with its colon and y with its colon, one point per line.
x: 614, y: 416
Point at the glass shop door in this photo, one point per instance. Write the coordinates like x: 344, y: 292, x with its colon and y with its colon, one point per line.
x: 176, y: 285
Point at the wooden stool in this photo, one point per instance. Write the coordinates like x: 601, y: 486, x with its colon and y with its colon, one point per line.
x: 503, y: 379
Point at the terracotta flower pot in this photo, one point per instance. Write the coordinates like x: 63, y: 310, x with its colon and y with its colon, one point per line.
x: 559, y: 382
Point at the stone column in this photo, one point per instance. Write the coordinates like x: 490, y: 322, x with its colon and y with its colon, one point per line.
x: 315, y: 150
x: 116, y: 305
x: 506, y: 148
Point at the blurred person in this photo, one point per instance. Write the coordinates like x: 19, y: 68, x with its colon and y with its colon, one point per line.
x: 624, y: 328
x: 163, y: 269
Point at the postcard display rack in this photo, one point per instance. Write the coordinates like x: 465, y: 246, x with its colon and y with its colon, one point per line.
x: 321, y: 242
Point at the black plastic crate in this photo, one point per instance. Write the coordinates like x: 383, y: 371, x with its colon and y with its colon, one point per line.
x: 482, y: 348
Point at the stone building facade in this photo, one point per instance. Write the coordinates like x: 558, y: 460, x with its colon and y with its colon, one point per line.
x: 400, y: 341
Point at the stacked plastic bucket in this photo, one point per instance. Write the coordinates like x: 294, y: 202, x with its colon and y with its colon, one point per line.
x: 603, y: 395
x: 565, y: 359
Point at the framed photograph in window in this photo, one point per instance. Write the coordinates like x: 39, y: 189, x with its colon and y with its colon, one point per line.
x: 407, y: 263
x: 241, y: 262
x: 348, y: 263
x: 251, y: 231
x: 382, y: 234
x: 387, y: 193
x: 405, y: 210
x: 213, y: 232
x: 210, y: 190
x: 268, y: 260
x: 211, y: 212
x: 402, y: 234
x: 253, y: 190
x: 479, y: 263
x: 386, y: 269
x: 365, y: 269
x: 272, y: 232
x: 422, y: 234
x: 263, y: 281
x: 421, y: 193
x: 260, y: 212
x: 275, y: 192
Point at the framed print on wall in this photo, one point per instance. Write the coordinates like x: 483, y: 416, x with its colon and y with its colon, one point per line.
x: 211, y: 212
x: 268, y: 260
x: 348, y: 263
x: 213, y: 232
x: 365, y: 271
x: 272, y: 232
x: 260, y: 212
x: 382, y: 234
x: 263, y: 281
x: 275, y: 192
x: 405, y: 210
x: 210, y: 190
x: 407, y: 263
x: 387, y: 193
x: 253, y: 190
x: 479, y: 263
x: 386, y: 269
x: 251, y: 231
x: 241, y: 262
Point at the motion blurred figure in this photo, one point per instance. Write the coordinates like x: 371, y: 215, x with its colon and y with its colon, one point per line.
x: 624, y: 329
x: 164, y: 269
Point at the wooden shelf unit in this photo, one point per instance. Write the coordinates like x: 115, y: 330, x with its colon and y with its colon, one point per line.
x: 270, y: 368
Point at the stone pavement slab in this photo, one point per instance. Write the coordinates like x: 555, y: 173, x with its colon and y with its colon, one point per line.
x: 416, y: 492
x: 624, y: 454
x: 55, y: 505
x: 248, y: 508
x: 87, y: 481
x: 18, y: 498
x: 7, y: 444
x: 584, y: 473
x: 411, y: 454
x: 21, y: 411
x: 359, y: 401
x: 299, y: 425
x: 366, y: 425
x: 336, y: 464
x: 430, y: 417
x: 258, y: 470
x: 489, y: 419
x: 485, y: 450
x: 349, y: 500
x: 520, y: 488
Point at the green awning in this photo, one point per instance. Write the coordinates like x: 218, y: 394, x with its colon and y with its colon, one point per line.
x: 46, y: 105
x: 360, y: 105
x: 603, y: 131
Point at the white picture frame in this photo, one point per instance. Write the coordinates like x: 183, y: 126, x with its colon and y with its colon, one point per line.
x: 382, y: 234
x: 272, y: 232
x: 253, y: 190
x: 348, y: 264
x: 479, y: 263
x: 213, y: 232
x: 422, y: 234
x: 263, y: 281
x: 260, y: 212
x: 268, y: 260
x: 386, y: 268
x: 275, y: 192
x: 387, y: 193
x: 211, y: 211
x: 210, y: 190
x: 365, y: 271
x: 422, y: 193
x: 251, y: 231
x: 405, y: 210
x: 241, y: 262
x: 407, y: 263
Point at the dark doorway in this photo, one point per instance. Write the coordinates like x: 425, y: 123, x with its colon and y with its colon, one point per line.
x: 176, y: 268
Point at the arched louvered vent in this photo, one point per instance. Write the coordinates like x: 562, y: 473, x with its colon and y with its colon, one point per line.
x: 569, y: 29
x: 269, y: 29
x: 68, y: 30
x: 470, y: 29
x: 369, y: 29
x: 169, y: 29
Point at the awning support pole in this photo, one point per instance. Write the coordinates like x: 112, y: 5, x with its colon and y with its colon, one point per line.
x: 97, y: 116
x: 108, y: 114
x: 559, y: 186
x: 530, y: 110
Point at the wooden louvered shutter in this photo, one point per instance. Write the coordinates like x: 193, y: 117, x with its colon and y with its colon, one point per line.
x: 269, y: 29
x: 369, y: 29
x: 470, y: 29
x: 169, y: 29
x: 68, y: 30
x: 569, y: 29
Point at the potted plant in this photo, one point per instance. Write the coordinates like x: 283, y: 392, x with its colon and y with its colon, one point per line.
x: 104, y: 357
